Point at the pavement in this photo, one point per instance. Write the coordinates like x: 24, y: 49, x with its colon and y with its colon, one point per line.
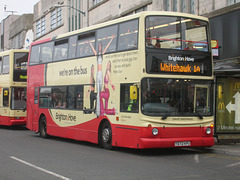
x: 226, y: 147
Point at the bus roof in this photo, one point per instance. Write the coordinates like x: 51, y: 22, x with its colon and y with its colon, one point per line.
x: 13, y: 50
x: 123, y: 19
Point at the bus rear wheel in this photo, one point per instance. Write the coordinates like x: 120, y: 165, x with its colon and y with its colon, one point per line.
x: 43, y: 127
x: 106, y: 135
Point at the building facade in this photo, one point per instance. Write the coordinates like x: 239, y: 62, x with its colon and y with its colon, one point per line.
x: 18, y: 30
x: 5, y: 32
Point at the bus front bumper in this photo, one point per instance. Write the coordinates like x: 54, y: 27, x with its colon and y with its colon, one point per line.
x: 176, y: 142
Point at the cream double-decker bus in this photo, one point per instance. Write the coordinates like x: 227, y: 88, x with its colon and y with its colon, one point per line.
x: 13, y: 87
x: 142, y: 81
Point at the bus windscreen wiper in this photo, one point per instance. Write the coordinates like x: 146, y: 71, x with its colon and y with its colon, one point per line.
x: 166, y: 115
x: 198, y: 114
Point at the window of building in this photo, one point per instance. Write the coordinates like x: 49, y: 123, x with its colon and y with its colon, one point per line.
x: 43, y: 26
x: 230, y: 2
x: 144, y: 8
x: 127, y: 104
x: 166, y: 5
x: 192, y: 6
x: 53, y: 19
x: 183, y: 6
x: 40, y: 27
x: 56, y: 18
x: 5, y: 63
x: 95, y: 2
x: 59, y: 16
x: 175, y: 5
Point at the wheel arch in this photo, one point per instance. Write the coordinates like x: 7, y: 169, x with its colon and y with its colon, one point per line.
x: 99, y: 130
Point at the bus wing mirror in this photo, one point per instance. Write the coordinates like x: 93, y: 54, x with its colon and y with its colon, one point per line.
x: 133, y: 92
x: 5, y: 92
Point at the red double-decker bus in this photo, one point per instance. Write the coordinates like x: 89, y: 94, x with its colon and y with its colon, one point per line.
x: 142, y: 81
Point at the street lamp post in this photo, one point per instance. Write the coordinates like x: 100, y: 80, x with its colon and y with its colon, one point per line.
x: 57, y: 6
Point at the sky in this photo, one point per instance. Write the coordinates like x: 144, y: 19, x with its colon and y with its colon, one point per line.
x: 20, y: 6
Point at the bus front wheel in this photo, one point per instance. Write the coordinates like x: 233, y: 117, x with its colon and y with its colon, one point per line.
x: 106, y: 135
x: 43, y: 127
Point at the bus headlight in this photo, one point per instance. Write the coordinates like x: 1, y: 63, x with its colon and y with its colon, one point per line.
x: 208, y: 130
x: 155, y: 131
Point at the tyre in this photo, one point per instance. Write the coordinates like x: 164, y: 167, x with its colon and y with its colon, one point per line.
x: 106, y: 135
x: 43, y: 127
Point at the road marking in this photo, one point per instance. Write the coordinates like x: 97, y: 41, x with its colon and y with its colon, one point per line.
x: 196, y: 158
x: 39, y: 168
x: 234, y: 164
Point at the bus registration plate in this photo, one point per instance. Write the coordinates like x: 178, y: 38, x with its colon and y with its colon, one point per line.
x: 183, y: 143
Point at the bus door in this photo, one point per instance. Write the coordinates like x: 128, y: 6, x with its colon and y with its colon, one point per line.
x: 201, y: 98
x: 35, y: 104
x: 5, y: 102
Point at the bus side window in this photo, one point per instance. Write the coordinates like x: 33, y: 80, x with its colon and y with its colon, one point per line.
x: 44, y: 97
x: 79, y: 97
x: 60, y: 50
x: 127, y: 102
x: 5, y: 65
x: 108, y: 35
x: 72, y: 45
x: 46, y: 52
x: 35, y: 53
x: 128, y: 35
x: 83, y: 45
x: 59, y: 97
x: 5, y: 97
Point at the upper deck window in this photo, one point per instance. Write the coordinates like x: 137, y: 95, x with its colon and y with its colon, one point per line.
x: 0, y: 65
x: 20, y: 66
x: 176, y: 33
x: 128, y: 35
x: 35, y: 53
x: 107, y: 37
x: 60, y: 50
x: 46, y: 52
x: 5, y: 65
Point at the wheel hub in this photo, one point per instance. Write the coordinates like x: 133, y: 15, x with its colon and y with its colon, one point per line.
x: 106, y: 135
